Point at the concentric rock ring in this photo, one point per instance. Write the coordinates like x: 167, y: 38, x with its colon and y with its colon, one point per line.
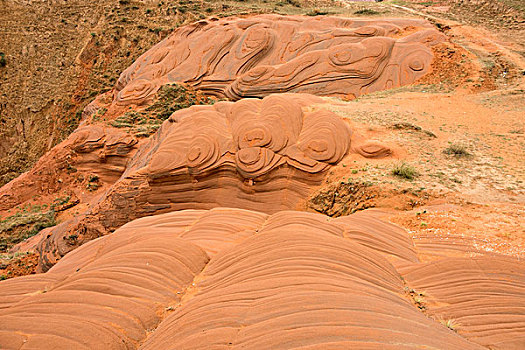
x: 203, y: 153
x: 137, y: 92
x: 325, y: 138
x: 373, y: 149
x: 256, y: 161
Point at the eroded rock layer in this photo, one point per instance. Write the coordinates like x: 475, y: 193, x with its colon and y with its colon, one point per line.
x: 92, y: 150
x: 226, y: 278
x: 257, y: 154
x: 482, y: 296
x: 266, y: 54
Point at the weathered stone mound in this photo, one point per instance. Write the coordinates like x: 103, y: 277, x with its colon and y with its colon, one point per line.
x: 266, y: 54
x: 232, y: 278
x: 98, y: 151
x: 257, y: 154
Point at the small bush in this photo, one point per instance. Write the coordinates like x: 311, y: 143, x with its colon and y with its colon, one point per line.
x: 457, y: 150
x: 450, y: 324
x: 405, y: 171
x: 317, y: 12
x: 366, y: 12
x: 3, y: 61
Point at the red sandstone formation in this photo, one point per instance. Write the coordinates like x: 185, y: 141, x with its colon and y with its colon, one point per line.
x: 260, y: 276
x: 483, y: 295
x: 200, y: 279
x: 95, y: 150
x: 266, y: 155
x: 266, y: 54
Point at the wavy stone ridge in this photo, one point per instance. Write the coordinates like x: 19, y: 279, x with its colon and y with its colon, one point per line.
x: 225, y: 278
x: 484, y: 295
x: 258, y: 154
x: 261, y: 55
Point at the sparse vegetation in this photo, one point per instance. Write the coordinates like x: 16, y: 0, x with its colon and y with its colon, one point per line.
x: 450, y: 323
x: 295, y: 3
x: 173, y: 97
x: 3, y: 61
x: 418, y: 298
x: 17, y: 264
x: 170, y: 98
x: 317, y: 12
x: 92, y: 182
x: 410, y: 126
x: 405, y: 171
x: 457, y: 150
x: 366, y: 12
x: 24, y: 224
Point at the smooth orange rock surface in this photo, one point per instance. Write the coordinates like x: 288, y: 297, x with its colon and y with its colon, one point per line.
x: 266, y: 54
x: 226, y: 278
x: 484, y: 296
x: 259, y: 154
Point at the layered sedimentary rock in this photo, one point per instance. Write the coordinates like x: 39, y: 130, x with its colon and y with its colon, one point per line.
x: 261, y: 55
x: 259, y: 154
x: 482, y: 296
x: 92, y: 149
x: 233, y: 278
x: 262, y: 276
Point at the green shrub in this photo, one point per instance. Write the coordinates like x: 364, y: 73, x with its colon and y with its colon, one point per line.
x: 457, y: 150
x: 366, y: 12
x: 405, y: 171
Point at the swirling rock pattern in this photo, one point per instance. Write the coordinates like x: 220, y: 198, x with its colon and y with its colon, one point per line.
x: 251, y: 136
x: 226, y: 278
x: 258, y: 154
x: 266, y: 54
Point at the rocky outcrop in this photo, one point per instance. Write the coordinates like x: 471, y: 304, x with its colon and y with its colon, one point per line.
x: 261, y: 55
x: 226, y: 278
x: 266, y: 155
x: 92, y: 150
